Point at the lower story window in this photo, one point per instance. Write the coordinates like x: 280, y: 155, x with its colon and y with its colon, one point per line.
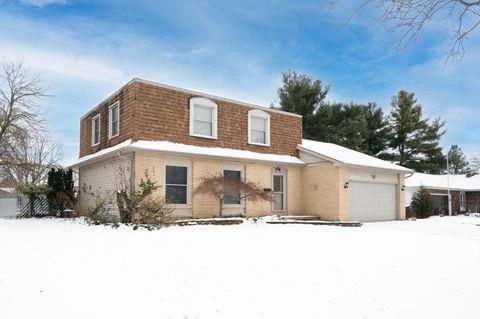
x: 176, y: 184
x: 232, y: 197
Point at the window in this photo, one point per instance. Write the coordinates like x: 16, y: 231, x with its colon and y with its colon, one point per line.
x: 232, y: 197
x: 203, y: 118
x: 258, y: 128
x: 462, y: 201
x: 96, y: 130
x: 176, y: 186
x: 114, y: 120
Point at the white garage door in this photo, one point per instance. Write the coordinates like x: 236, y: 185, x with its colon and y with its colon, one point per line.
x: 372, y: 201
x: 8, y: 207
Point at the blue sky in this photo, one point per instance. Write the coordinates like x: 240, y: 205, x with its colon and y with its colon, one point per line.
x: 85, y: 50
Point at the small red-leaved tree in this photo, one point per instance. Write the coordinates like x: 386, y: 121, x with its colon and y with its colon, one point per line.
x: 224, y: 187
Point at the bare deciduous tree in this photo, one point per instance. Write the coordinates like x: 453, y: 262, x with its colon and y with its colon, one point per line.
x: 20, y: 93
x: 31, y: 158
x: 223, y: 187
x: 459, y: 17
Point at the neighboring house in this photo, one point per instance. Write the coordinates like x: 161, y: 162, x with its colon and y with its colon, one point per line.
x: 465, y: 191
x: 175, y: 136
x: 11, y: 201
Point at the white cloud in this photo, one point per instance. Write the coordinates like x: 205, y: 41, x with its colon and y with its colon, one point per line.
x: 62, y: 63
x: 42, y: 3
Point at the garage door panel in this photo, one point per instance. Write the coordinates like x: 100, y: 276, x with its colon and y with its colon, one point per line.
x: 8, y: 207
x: 372, y: 201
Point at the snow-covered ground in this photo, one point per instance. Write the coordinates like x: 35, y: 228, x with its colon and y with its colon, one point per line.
x: 411, y: 269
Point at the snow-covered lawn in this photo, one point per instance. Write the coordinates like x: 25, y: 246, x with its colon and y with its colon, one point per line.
x: 411, y: 269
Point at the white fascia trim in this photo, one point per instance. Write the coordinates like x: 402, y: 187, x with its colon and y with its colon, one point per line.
x: 379, y: 169
x: 216, y: 152
x: 249, y: 156
x: 339, y: 163
x: 323, y: 157
x: 82, y: 161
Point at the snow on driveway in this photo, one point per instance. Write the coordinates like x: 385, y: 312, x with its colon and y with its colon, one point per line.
x: 407, y: 269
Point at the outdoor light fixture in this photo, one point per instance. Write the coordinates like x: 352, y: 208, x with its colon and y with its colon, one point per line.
x: 346, y: 185
x: 403, y: 188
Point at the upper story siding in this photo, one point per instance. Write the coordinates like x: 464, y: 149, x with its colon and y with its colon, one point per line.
x: 150, y: 111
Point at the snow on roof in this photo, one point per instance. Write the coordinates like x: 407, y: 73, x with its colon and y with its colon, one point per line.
x: 457, y: 182
x: 183, y: 149
x: 7, y: 189
x: 101, y: 153
x: 343, y: 155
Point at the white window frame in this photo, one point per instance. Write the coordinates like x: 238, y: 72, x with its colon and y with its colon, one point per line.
x: 280, y: 172
x: 180, y: 163
x: 238, y: 168
x: 263, y: 115
x: 99, y: 129
x: 203, y: 102
x: 463, y: 201
x: 110, y: 119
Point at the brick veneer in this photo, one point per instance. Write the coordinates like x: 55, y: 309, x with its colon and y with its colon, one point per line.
x: 152, y: 112
x: 455, y: 199
x: 473, y: 201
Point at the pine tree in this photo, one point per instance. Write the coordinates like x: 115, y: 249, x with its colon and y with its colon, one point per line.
x: 376, y: 138
x: 301, y: 94
x: 422, y: 203
x: 415, y: 139
x: 457, y: 161
x: 342, y: 124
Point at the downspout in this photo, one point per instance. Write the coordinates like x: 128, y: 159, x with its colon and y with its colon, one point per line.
x: 132, y: 180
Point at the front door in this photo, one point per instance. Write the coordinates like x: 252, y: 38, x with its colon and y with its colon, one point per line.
x: 278, y: 192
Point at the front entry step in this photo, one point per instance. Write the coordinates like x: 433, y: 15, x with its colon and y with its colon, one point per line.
x: 316, y: 222
x: 312, y: 220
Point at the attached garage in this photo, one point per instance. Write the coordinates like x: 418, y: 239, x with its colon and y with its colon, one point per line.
x: 372, y: 196
x: 343, y: 184
x: 372, y: 201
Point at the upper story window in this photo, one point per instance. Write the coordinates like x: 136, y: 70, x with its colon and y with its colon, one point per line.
x: 203, y: 117
x: 258, y: 128
x: 114, y: 120
x: 96, y: 130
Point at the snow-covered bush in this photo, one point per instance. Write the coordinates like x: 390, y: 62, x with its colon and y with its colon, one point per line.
x: 140, y: 208
x: 152, y: 211
x: 422, y: 203
x: 100, y: 214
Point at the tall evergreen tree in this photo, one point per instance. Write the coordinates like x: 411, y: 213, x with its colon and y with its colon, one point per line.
x: 301, y: 94
x: 457, y: 161
x: 415, y: 140
x: 342, y: 124
x: 377, y: 134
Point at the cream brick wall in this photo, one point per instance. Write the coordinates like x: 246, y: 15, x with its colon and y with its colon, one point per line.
x: 205, y: 205
x: 262, y: 175
x: 149, y: 164
x: 103, y: 179
x: 294, y: 190
x: 343, y: 194
x: 323, y: 193
x: 401, y: 197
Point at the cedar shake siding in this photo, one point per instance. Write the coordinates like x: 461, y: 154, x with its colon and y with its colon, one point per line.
x: 126, y: 96
x: 155, y: 112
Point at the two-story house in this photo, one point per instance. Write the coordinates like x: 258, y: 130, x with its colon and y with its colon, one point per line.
x: 176, y: 136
